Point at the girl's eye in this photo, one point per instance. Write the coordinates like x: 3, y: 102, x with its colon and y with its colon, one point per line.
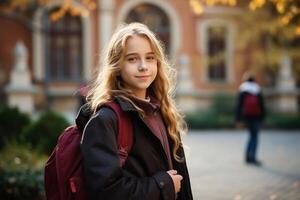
x: 150, y: 57
x: 132, y: 59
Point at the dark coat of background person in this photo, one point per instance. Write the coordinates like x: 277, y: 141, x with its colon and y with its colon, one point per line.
x: 144, y: 173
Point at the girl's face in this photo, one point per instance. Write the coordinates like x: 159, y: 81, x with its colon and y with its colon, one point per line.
x: 139, y: 68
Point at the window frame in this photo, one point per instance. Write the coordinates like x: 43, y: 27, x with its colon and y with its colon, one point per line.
x: 75, y: 75
x: 203, y: 27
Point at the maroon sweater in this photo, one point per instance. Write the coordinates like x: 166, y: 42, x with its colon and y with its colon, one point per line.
x: 155, y: 122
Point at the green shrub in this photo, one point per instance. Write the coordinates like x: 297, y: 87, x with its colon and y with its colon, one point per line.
x: 282, y: 121
x: 21, y: 173
x: 209, y: 120
x: 16, y: 156
x: 21, y: 185
x: 220, y: 115
x: 43, y: 133
x: 223, y: 104
x: 12, y: 121
x: 214, y: 120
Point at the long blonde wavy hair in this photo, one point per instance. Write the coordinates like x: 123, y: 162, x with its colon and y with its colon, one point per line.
x: 162, y: 88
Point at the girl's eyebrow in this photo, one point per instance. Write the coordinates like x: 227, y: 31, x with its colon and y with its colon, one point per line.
x: 151, y: 53
x: 134, y: 54
x: 131, y: 54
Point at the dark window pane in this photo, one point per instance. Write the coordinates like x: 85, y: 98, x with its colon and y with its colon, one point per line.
x: 217, y: 53
x: 64, y: 49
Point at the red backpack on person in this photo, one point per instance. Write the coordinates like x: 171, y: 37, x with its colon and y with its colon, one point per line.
x: 64, y: 179
x: 251, y: 106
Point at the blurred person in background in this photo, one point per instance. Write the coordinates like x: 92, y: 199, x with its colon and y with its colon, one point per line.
x: 250, y: 109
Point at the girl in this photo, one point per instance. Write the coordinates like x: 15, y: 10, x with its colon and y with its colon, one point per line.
x: 136, y: 75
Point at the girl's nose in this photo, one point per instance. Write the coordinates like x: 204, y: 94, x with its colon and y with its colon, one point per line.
x: 142, y: 66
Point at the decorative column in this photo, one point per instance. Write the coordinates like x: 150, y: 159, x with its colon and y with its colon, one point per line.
x: 38, y: 48
x: 287, y: 100
x: 20, y: 90
x: 105, y: 22
x: 185, y: 93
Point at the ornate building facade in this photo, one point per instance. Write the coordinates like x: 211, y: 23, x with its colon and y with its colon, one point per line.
x: 56, y: 57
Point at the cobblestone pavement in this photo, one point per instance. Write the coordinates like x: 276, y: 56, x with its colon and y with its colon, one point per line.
x: 218, y: 172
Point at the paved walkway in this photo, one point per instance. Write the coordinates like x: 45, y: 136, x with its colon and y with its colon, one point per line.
x: 218, y: 172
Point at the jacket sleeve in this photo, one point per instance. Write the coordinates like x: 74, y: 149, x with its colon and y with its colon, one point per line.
x: 104, y: 177
x: 185, y: 192
x: 262, y: 106
x: 239, y: 107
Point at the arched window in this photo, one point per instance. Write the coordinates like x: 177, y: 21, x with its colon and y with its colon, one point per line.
x: 64, y: 49
x: 155, y: 18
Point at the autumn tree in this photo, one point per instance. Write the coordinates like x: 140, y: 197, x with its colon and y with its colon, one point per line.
x: 271, y: 27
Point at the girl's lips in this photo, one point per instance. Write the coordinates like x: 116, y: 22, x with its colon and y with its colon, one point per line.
x: 143, y: 76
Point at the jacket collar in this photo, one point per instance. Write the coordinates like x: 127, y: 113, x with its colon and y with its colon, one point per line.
x: 84, y: 113
x: 83, y: 116
x: 125, y: 105
x: 149, y: 107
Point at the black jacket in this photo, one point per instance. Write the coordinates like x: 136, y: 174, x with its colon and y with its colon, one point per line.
x: 144, y: 174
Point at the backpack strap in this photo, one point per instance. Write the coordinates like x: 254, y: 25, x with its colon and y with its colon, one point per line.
x: 125, y: 136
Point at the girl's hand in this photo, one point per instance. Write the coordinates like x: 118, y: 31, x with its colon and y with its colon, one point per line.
x: 176, y: 179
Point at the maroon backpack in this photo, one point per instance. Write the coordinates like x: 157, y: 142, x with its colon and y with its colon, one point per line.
x: 251, y: 106
x: 64, y: 178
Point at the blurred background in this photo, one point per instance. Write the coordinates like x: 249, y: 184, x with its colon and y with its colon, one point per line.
x: 50, y: 49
